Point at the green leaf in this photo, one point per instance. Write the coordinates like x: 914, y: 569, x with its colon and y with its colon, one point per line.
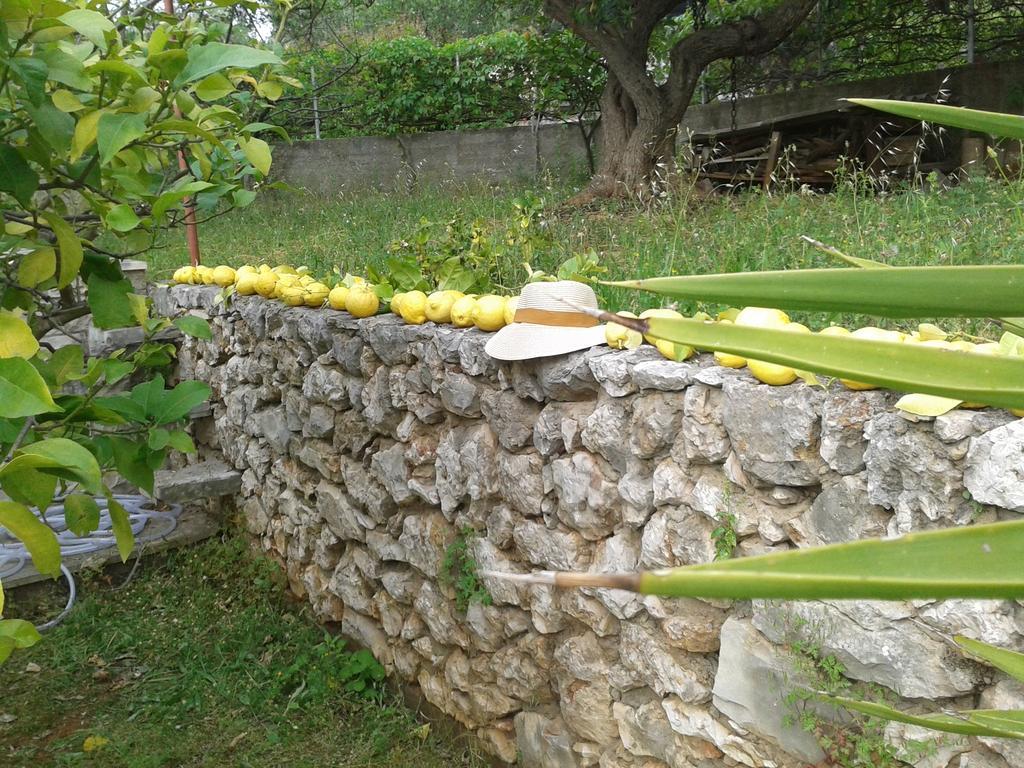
x: 16, y: 339
x: 64, y: 458
x: 975, y: 561
x: 968, y: 291
x: 1010, y: 662
x: 108, y: 300
x: 192, y: 325
x: 39, y: 540
x: 17, y: 176
x: 54, y: 126
x: 26, y: 484
x: 23, y: 392
x: 177, y: 403
x: 966, y: 723
x: 37, y: 267
x: 65, y: 69
x: 123, y: 405
x: 180, y: 440
x: 927, y: 405
x: 122, y: 218
x: 65, y: 364
x: 996, y: 123
x: 131, y: 460
x: 149, y: 395
x: 22, y: 632
x: 159, y: 438
x: 257, y: 152
x: 967, y: 376
x: 81, y: 513
x: 117, y: 130
x: 89, y: 24
x: 206, y: 59
x: 121, y: 526
x: 6, y: 648
x: 31, y: 71
x: 188, y: 127
x: 66, y: 101
x: 213, y: 87
x: 85, y: 132
x: 167, y: 199
x: 70, y: 248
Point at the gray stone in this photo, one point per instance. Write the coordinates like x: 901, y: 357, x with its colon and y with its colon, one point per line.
x: 466, y: 466
x: 656, y: 420
x: 379, y: 411
x: 696, y: 723
x: 913, y: 472
x: 425, y: 539
x: 663, y: 375
x: 703, y: 439
x: 774, y: 431
x: 617, y: 554
x: 670, y: 483
x: 994, y: 472
x: 588, y: 502
x: 326, y: 385
x: 994, y: 622
x: 615, y: 371
x: 844, y: 415
x: 590, y: 612
x: 841, y: 512
x: 962, y: 423
x: 752, y: 682
x: 606, y: 432
x: 543, y: 742
x: 636, y: 487
x: 204, y: 480
x: 1005, y: 695
x: 460, y: 395
x: 401, y: 582
x: 559, y: 550
x: 273, y: 425
x: 342, y: 516
x: 511, y: 418
x: 568, y: 377
x: 676, y: 536
x: 660, y: 666
x: 875, y: 642
x: 521, y: 482
x: 472, y: 358
x: 436, y: 612
x: 559, y: 427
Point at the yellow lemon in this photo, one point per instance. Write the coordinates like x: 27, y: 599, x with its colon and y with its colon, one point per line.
x: 285, y: 269
x: 439, y: 305
x: 246, y: 269
x: 657, y: 313
x: 413, y: 307
x: 511, y: 305
x: 336, y: 298
x: 672, y: 350
x: 621, y: 337
x: 489, y: 312
x: 396, y: 302
x: 305, y: 280
x: 761, y: 317
x: 726, y: 359
x: 362, y: 301
x: 834, y: 330
x: 316, y: 295
x: 293, y: 295
x: 773, y: 373
x: 284, y: 282
x: 181, y: 275
x: 223, y: 276
x: 263, y: 269
x: 462, y: 311
x: 246, y: 284
x: 266, y: 283
x: 205, y: 275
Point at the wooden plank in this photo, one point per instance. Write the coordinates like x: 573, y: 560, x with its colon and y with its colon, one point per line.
x: 773, y: 158
x: 193, y: 526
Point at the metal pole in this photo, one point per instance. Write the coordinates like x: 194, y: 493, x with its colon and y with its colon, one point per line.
x: 191, y: 232
x: 316, y: 104
x: 970, y: 31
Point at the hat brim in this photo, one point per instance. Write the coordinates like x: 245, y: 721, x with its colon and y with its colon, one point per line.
x: 526, y: 341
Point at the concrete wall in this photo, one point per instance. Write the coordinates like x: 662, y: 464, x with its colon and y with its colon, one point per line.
x: 366, y: 446
x: 401, y: 163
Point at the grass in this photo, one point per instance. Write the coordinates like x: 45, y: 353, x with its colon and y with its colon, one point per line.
x: 980, y: 221
x: 204, y: 660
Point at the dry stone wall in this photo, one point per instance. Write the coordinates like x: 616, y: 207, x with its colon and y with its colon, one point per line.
x: 368, y: 447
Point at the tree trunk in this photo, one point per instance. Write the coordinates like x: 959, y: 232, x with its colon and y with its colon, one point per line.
x: 637, y: 147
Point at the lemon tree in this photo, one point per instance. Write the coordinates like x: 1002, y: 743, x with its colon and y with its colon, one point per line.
x: 95, y: 110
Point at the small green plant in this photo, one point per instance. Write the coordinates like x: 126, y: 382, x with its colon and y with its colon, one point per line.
x: 724, y: 536
x: 459, y: 570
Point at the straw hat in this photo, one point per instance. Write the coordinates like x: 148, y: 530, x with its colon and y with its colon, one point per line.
x: 545, y: 325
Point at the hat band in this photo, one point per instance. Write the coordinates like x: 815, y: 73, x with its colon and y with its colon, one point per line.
x: 549, y: 317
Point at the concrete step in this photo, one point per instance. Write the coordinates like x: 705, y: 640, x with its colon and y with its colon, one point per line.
x: 204, y: 480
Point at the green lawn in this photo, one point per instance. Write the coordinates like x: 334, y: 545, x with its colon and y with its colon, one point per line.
x: 203, y: 660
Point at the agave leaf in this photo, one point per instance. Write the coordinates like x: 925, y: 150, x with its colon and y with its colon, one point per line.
x: 1014, y: 324
x: 1010, y: 662
x: 975, y: 561
x: 980, y: 722
x: 995, y: 123
x: 960, y: 375
x: 966, y: 291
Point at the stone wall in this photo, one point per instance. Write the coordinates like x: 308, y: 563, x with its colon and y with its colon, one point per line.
x: 367, y: 446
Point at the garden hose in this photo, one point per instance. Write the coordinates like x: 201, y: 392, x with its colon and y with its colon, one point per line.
x: 14, y: 555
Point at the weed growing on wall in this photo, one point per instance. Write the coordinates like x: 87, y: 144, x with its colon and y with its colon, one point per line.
x: 459, y: 571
